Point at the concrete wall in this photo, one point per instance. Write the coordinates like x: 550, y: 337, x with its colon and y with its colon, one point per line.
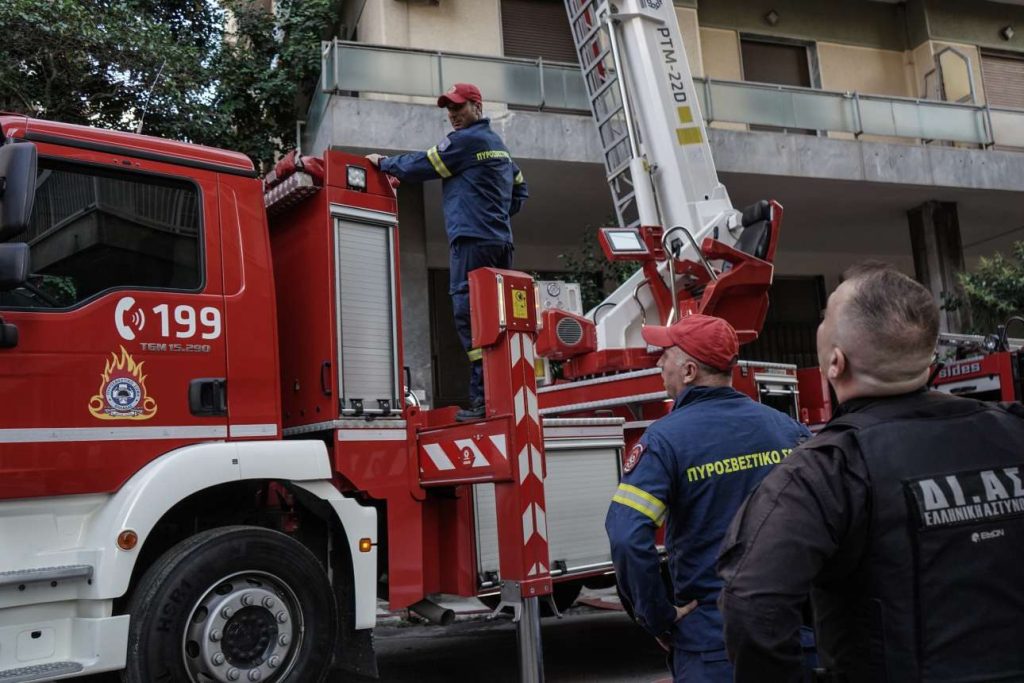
x: 916, y: 17
x: 866, y: 70
x: 471, y: 26
x: 921, y: 62
x: 976, y: 23
x: 873, y: 24
x: 720, y: 49
x: 831, y: 264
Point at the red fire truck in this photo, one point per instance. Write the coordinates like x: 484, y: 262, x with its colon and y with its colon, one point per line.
x: 211, y: 465
x: 988, y: 368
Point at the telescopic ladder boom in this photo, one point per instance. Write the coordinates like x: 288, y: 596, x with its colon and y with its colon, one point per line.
x: 657, y: 158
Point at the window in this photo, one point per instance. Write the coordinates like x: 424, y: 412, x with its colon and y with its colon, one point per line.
x: 94, y: 230
x: 779, y: 63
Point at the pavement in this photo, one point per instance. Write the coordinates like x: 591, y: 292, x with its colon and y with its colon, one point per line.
x: 593, y: 641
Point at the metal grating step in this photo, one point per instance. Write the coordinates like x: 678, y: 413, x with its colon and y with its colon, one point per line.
x: 41, y: 574
x: 39, y: 672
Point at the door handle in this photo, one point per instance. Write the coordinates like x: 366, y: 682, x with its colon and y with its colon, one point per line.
x: 208, y: 397
x: 325, y: 378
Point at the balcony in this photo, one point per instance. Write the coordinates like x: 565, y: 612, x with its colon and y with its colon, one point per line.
x: 357, y: 68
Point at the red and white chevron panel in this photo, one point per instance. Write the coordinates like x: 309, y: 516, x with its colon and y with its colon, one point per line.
x: 529, y: 465
x: 465, y: 454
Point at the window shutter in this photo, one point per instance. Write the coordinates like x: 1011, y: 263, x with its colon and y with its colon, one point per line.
x: 537, y: 28
x: 1004, y: 80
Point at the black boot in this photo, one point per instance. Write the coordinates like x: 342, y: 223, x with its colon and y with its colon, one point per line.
x: 475, y: 411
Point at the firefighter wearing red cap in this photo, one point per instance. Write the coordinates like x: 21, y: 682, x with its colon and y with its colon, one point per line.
x: 691, y: 471
x: 482, y: 189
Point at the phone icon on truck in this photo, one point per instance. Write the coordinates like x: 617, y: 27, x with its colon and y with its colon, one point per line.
x: 128, y: 321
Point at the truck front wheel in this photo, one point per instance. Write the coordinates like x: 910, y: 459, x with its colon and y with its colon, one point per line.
x: 232, y: 604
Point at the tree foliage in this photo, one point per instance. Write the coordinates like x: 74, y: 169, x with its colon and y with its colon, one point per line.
x: 995, y: 289
x: 230, y: 74
x: 587, y: 265
x: 268, y: 71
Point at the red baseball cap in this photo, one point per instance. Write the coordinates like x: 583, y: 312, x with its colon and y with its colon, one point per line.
x: 710, y: 340
x: 459, y: 94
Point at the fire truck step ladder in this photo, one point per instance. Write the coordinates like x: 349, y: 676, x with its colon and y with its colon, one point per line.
x: 40, y: 672
x: 69, y: 572
x: 598, y: 52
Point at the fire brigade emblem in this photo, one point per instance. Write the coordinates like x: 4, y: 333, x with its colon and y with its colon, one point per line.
x: 633, y: 458
x: 122, y: 393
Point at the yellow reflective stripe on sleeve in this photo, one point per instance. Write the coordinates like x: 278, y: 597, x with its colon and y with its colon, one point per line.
x: 519, y: 179
x: 435, y: 161
x: 475, y: 354
x: 641, y: 501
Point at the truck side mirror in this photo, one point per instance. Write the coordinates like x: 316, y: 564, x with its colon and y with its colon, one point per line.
x: 17, y: 187
x: 15, y: 262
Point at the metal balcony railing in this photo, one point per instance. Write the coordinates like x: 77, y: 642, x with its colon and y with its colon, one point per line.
x: 355, y: 68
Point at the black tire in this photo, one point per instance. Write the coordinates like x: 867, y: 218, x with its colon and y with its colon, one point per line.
x: 212, y: 598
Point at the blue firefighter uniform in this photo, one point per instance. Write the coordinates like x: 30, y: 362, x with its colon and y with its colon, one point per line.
x: 482, y: 188
x: 692, y: 468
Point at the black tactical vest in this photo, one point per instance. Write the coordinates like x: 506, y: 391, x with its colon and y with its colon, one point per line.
x: 939, y: 594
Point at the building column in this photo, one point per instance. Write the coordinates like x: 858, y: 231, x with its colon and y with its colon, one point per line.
x: 939, y: 257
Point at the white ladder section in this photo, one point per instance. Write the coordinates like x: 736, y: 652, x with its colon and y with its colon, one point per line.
x: 656, y: 154
x: 599, y: 60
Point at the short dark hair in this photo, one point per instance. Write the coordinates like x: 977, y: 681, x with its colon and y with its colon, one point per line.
x: 710, y: 371
x: 896, y: 321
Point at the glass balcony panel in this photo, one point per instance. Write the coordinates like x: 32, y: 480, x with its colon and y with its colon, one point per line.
x: 822, y: 111
x: 876, y: 117
x: 327, y: 57
x: 354, y: 67
x: 515, y: 83
x: 564, y: 88
x: 1008, y: 127
x: 907, y: 119
x: 959, y: 124
x: 362, y: 69
x: 741, y: 103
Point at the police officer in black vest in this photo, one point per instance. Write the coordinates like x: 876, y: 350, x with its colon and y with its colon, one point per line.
x: 903, y: 519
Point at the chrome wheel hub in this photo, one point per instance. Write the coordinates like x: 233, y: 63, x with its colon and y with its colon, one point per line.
x: 246, y: 627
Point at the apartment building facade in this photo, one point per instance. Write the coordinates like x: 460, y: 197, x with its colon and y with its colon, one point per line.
x: 891, y: 130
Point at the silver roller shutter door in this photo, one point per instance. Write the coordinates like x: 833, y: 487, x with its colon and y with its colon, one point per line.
x: 367, y: 334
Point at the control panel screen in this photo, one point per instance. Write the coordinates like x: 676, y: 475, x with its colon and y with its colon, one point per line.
x: 625, y: 241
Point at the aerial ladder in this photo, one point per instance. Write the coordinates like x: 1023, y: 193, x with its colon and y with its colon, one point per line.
x: 697, y: 252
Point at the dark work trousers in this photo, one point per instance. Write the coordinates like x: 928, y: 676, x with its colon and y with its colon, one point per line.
x: 466, y: 255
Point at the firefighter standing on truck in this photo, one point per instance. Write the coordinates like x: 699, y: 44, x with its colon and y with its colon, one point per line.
x: 903, y: 518
x: 482, y: 188
x: 693, y: 468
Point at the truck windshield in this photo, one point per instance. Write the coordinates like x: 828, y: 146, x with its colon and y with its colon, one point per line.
x: 94, y: 230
